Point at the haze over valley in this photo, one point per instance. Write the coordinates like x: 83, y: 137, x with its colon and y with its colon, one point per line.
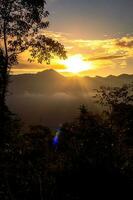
x: 50, y: 98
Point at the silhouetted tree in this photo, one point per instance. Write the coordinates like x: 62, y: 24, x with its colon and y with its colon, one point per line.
x: 89, y: 139
x: 118, y: 109
x: 88, y: 153
x: 22, y: 23
x: 85, y: 158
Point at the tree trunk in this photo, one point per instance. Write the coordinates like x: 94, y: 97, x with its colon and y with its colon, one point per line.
x: 3, y: 81
x: 3, y: 107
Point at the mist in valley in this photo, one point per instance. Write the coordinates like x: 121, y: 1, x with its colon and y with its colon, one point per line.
x: 49, y: 110
x: 51, y: 99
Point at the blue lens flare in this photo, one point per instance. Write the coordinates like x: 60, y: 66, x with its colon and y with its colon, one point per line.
x: 56, y: 140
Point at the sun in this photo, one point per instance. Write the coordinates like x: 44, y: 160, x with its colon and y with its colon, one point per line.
x: 76, y: 64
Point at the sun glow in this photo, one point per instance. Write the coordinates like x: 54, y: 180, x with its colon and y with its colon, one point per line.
x: 76, y: 64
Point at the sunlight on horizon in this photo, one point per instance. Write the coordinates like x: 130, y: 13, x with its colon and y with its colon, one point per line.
x: 76, y: 64
x: 85, y: 57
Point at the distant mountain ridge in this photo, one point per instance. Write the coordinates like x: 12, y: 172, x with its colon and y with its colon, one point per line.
x: 50, y: 81
x: 50, y: 98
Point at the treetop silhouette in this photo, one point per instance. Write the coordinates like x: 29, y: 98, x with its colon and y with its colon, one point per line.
x: 21, y: 25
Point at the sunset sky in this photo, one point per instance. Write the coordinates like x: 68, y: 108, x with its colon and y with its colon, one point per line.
x: 97, y: 34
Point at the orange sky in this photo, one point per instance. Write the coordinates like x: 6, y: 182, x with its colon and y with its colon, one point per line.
x: 86, y: 57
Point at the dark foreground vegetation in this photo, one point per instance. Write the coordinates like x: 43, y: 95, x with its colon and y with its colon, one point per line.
x: 91, y: 156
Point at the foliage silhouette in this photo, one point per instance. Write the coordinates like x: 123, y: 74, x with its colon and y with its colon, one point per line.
x: 94, y: 152
x: 22, y: 25
x: 118, y: 110
x: 86, y: 159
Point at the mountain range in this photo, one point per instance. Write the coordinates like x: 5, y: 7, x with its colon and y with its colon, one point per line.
x: 51, y: 99
x: 49, y: 82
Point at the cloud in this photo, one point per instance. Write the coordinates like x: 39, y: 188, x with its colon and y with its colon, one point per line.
x: 105, y: 52
x: 29, y: 66
x: 125, y: 42
x: 110, y: 57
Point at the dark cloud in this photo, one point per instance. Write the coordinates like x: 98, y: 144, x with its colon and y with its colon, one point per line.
x: 24, y: 66
x: 110, y: 57
x: 124, y: 43
x: 28, y: 66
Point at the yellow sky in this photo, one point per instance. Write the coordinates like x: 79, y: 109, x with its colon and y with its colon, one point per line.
x: 86, y: 57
